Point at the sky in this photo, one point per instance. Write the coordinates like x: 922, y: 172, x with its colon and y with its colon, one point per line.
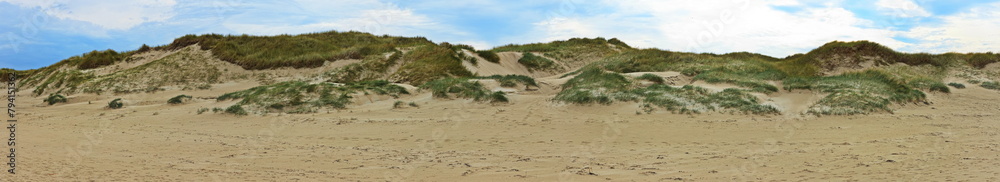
x: 37, y: 33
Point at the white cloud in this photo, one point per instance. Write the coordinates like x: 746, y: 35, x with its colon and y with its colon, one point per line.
x: 720, y: 26
x: 107, y: 14
x: 972, y: 31
x: 901, y: 8
x: 370, y: 16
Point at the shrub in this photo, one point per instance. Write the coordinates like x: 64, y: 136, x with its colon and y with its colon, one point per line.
x: 202, y: 110
x: 236, y: 109
x: 534, y: 62
x: 414, y: 104
x: 143, y: 48
x: 397, y: 104
x: 55, y: 98
x: 991, y: 85
x: 956, y: 85
x: 498, y: 97
x: 652, y: 78
x: 489, y: 56
x: 116, y: 104
x: 940, y: 87
x: 216, y: 110
x: 178, y: 99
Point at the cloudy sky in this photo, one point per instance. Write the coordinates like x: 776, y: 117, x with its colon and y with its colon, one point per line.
x: 36, y: 33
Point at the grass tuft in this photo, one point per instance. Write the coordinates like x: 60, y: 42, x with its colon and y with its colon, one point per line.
x: 398, y: 104
x: 652, y: 78
x: 512, y: 80
x: 236, y: 109
x: 55, y: 98
x: 957, y: 85
x: 428, y: 63
x: 178, y: 99
x: 858, y: 92
x: 116, y: 104
x: 489, y: 56
x: 463, y: 88
x: 991, y: 85
x: 303, y: 97
x: 534, y: 62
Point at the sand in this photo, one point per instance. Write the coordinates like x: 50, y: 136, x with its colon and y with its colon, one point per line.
x: 531, y: 139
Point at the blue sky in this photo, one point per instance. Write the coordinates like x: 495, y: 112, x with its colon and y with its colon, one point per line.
x: 41, y: 32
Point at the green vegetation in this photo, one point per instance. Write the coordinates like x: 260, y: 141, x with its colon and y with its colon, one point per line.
x: 753, y: 75
x: 178, y: 99
x: 856, y: 93
x: 236, y: 110
x: 96, y: 59
x: 572, y: 43
x: 428, y: 63
x: 598, y: 86
x: 834, y: 68
x: 299, y: 51
x: 463, y: 88
x: 593, y: 86
x: 497, y: 97
x: 303, y: 97
x: 414, y: 104
x: 512, y: 80
x: 116, y: 104
x: 651, y: 78
x: 991, y: 85
x: 70, y: 80
x: 55, y: 98
x: 956, y: 85
x: 837, y: 53
x: 534, y: 62
x: 143, y: 48
x: 929, y: 84
x: 371, y: 68
x: 148, y: 77
x: 570, y: 51
x: 202, y: 110
x: 980, y: 60
x: 616, y: 42
x: 398, y: 104
x: 850, y: 93
x: 489, y: 56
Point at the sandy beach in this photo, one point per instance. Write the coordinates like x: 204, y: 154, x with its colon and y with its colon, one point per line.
x: 530, y: 139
